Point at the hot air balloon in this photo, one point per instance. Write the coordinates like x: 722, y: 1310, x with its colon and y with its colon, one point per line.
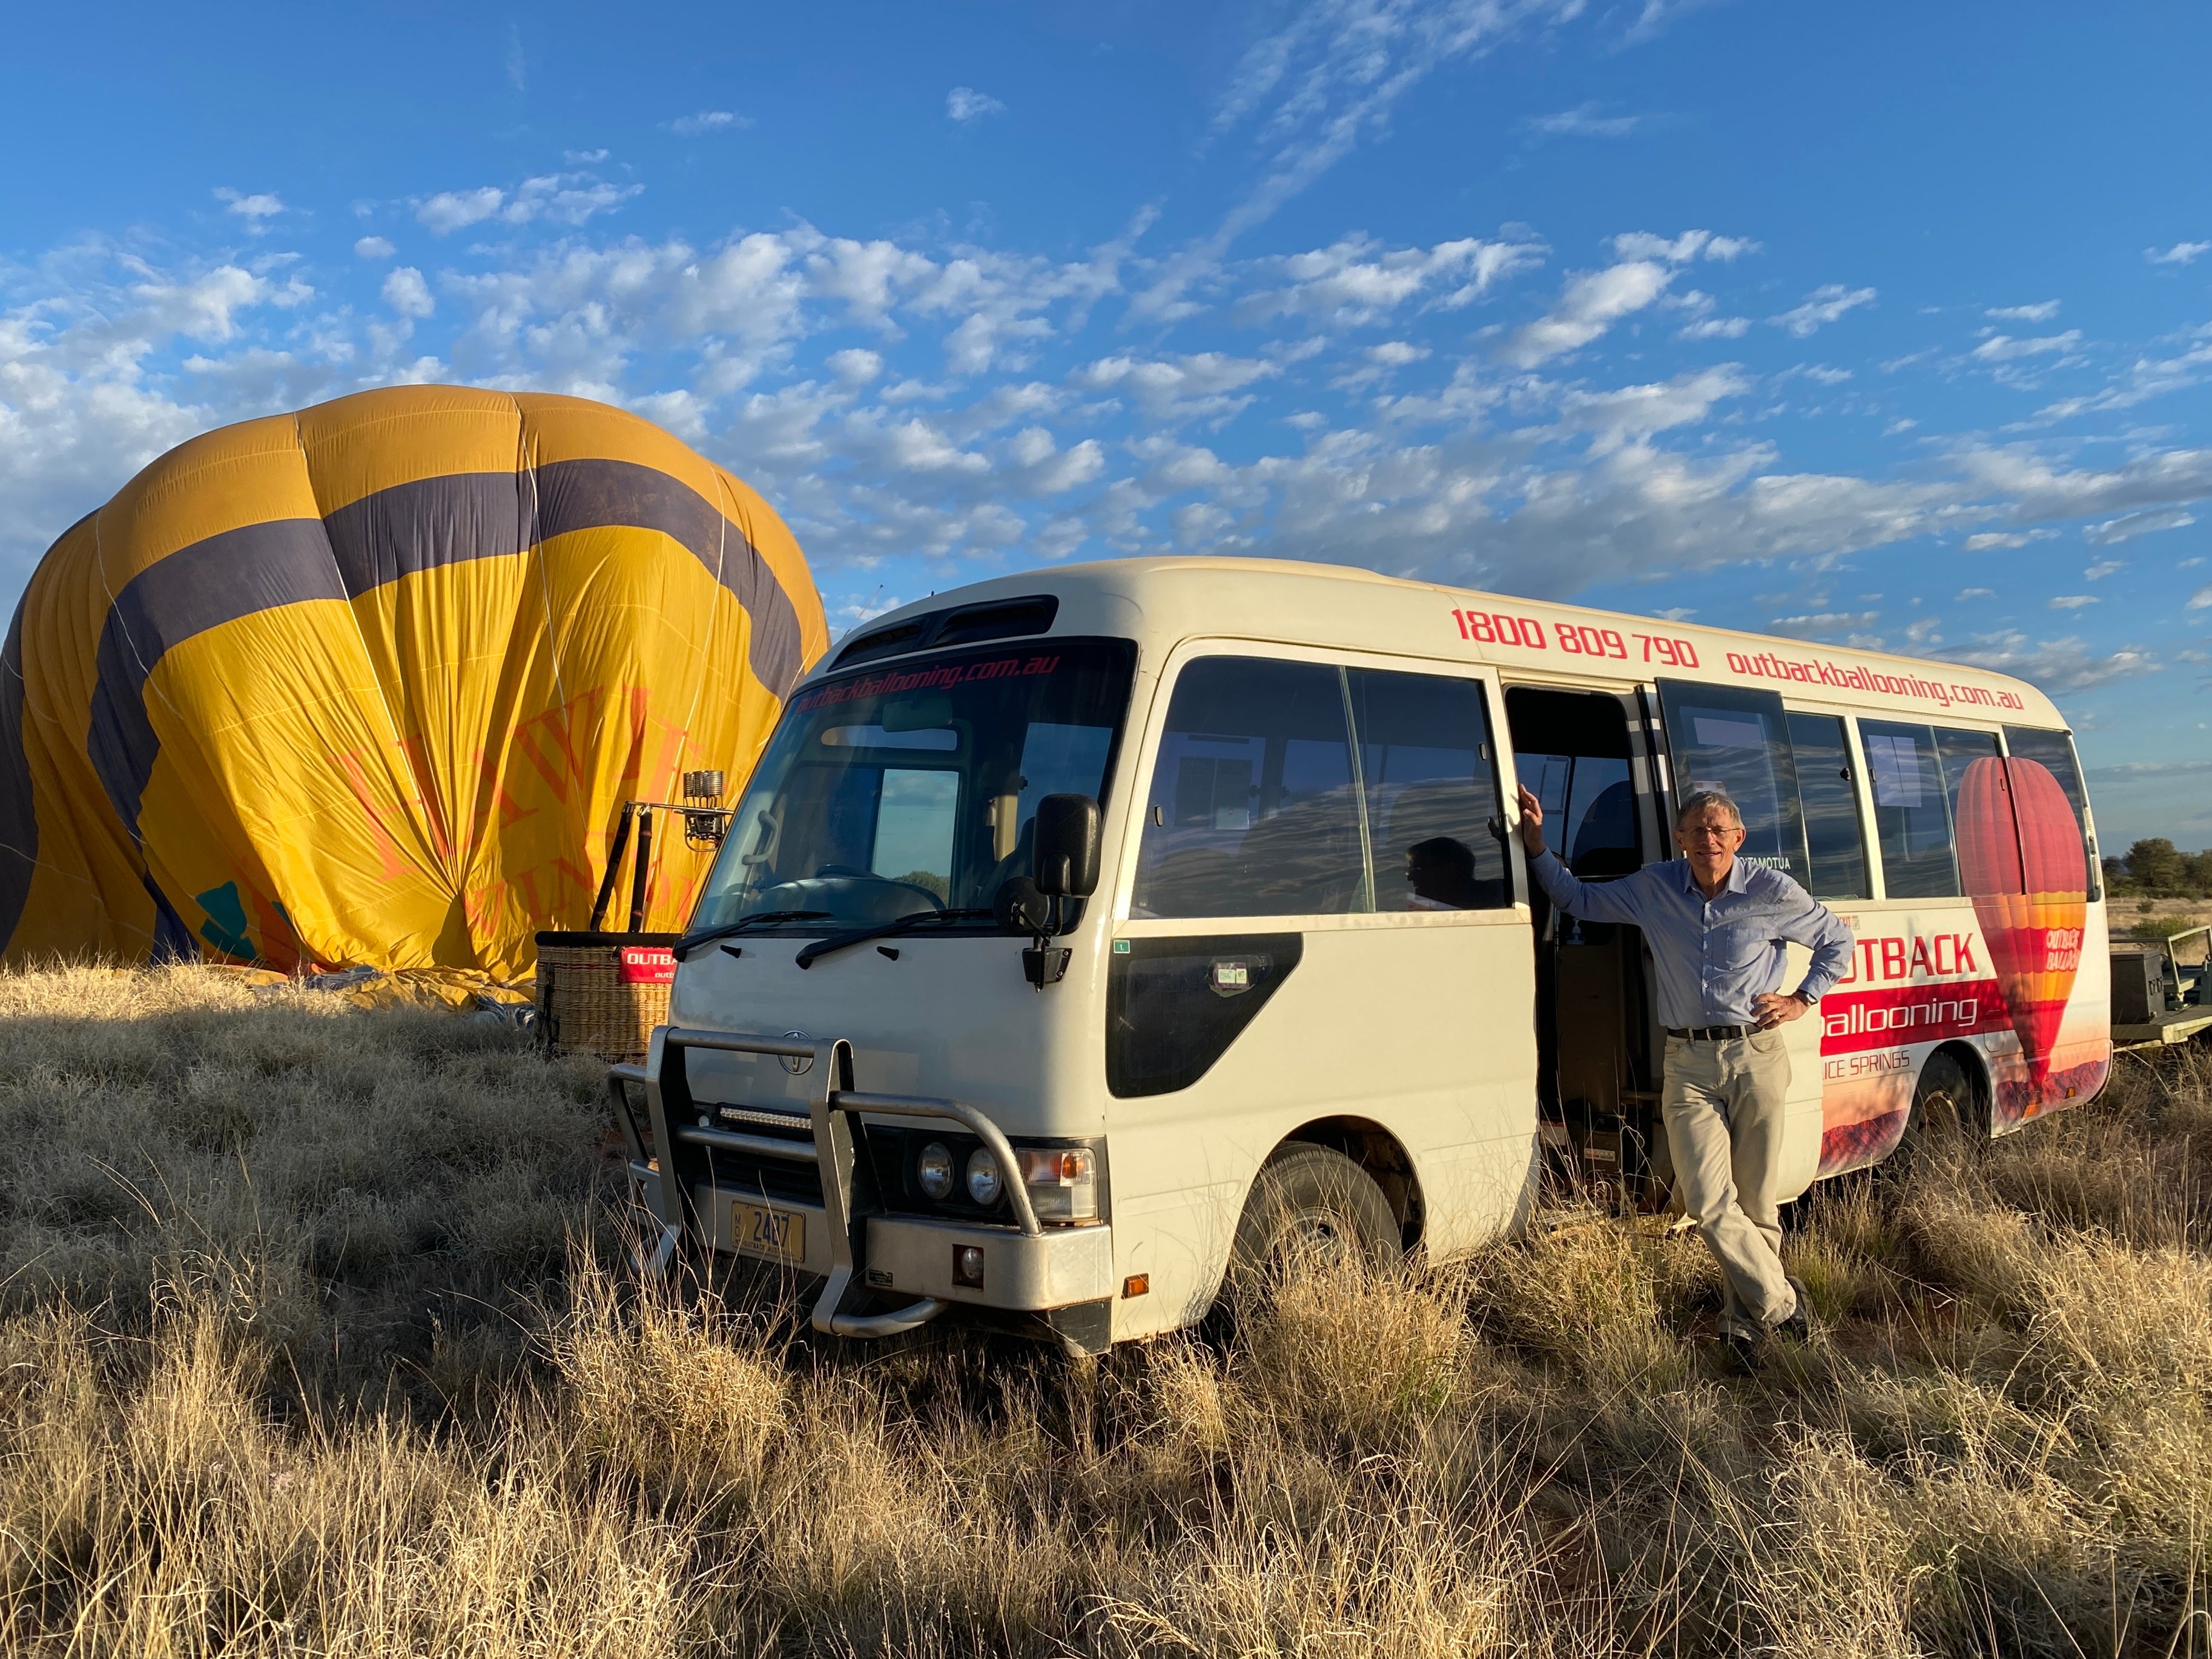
x: 368, y: 684
x: 2020, y: 854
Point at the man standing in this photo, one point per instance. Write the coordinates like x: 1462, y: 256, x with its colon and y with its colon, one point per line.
x: 1717, y: 927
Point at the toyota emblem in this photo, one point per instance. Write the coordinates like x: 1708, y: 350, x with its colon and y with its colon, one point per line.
x: 797, y: 1065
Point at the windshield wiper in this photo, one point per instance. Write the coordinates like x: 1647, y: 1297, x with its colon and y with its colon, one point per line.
x: 694, y: 940
x: 912, y: 919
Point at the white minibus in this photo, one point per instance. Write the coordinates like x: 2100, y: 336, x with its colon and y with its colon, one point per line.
x: 1083, y: 934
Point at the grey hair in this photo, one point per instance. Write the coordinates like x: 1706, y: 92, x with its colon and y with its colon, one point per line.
x: 1699, y: 799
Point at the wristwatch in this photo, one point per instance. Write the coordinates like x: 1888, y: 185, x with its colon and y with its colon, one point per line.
x: 1810, y: 1002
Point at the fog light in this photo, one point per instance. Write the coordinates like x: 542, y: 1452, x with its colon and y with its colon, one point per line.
x: 984, y: 1183
x: 933, y: 1170
x: 968, y: 1266
x: 1063, y: 1182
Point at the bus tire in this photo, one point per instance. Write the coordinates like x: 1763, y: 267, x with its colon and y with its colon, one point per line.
x: 1948, y: 1123
x: 1311, y: 1205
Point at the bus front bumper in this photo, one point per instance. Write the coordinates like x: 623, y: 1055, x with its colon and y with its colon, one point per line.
x: 864, y: 1254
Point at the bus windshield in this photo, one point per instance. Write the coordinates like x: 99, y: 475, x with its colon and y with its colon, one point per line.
x: 896, y: 791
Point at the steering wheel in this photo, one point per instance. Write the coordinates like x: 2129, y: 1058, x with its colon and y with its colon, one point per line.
x: 853, y: 872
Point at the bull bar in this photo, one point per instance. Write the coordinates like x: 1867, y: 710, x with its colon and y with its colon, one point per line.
x: 869, y: 1248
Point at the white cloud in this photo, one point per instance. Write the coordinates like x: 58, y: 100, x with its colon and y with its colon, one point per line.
x: 2129, y: 526
x: 1397, y: 354
x: 2041, y: 312
x: 2070, y: 601
x: 1823, y: 304
x: 1583, y: 121
x: 406, y: 292
x: 1353, y: 282
x: 1317, y: 86
x: 561, y: 198
x: 966, y: 104
x: 1636, y: 412
x: 584, y: 158
x: 1589, y: 305
x: 2039, y: 490
x: 1200, y: 386
x: 2002, y: 347
x: 456, y: 210
x: 2102, y: 569
x: 1902, y: 423
x: 855, y: 367
x: 373, y: 247
x: 2181, y: 253
x: 2200, y: 599
x: 1990, y: 539
x: 254, y: 209
x: 1643, y: 244
x: 1715, y: 328
x: 708, y: 120
x: 2053, y: 665
x: 2146, y: 378
x: 1975, y: 593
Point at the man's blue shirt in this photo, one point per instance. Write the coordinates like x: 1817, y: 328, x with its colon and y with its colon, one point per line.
x: 1713, y: 956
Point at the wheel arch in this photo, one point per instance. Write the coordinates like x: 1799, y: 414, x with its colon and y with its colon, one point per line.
x: 1382, y: 1156
x: 1975, y: 1065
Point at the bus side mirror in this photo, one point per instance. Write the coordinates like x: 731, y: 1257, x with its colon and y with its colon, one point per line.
x: 1067, y: 836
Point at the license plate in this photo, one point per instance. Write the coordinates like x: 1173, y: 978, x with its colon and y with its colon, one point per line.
x: 777, y: 1234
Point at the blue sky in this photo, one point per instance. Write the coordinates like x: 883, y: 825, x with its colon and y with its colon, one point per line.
x: 1889, y: 324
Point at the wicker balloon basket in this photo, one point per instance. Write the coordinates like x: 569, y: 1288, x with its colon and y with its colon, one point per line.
x: 602, y: 993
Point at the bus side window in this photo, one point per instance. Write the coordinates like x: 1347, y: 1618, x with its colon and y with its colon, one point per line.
x: 1911, y: 813
x: 1834, y: 842
x: 2054, y: 752
x: 1738, y: 742
x: 1252, y: 810
x: 1431, y: 780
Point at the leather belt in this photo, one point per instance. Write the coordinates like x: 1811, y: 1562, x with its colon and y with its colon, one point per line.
x: 1713, y: 1033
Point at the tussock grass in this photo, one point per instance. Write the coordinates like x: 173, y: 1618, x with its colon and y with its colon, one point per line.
x: 314, y: 1339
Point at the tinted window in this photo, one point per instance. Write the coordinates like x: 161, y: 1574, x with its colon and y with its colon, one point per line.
x: 1425, y: 764
x: 1253, y: 810
x: 2054, y: 751
x: 1957, y: 750
x: 1912, y: 811
x: 1834, y: 844
x: 1738, y: 742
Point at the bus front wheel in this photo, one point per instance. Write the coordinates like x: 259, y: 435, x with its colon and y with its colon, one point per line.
x: 1312, y: 1208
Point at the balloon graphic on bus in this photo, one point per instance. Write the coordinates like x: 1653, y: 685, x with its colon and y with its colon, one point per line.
x: 2020, y: 854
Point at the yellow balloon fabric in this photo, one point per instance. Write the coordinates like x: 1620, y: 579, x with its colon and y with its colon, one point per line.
x: 367, y: 685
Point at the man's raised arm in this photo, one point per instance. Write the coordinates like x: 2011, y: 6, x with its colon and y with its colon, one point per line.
x: 1612, y: 900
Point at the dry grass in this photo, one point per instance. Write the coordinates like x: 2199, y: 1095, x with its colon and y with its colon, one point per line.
x: 311, y: 1344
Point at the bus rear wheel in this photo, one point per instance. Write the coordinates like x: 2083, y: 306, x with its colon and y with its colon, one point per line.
x: 1948, y: 1123
x: 1311, y: 1208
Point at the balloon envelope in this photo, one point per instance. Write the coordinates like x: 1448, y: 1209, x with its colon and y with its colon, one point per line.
x: 368, y: 684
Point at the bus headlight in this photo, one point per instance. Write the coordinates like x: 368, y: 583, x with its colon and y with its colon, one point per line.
x: 933, y: 1170
x: 984, y: 1181
x: 1062, y: 1181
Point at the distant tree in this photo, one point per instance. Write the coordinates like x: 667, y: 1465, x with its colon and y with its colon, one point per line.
x: 2117, y: 879
x: 2197, y: 872
x: 2156, y: 866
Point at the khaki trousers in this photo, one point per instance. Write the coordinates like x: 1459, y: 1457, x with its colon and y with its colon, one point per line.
x: 1723, y: 1106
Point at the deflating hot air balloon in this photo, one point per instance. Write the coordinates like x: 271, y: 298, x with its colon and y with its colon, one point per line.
x: 369, y: 684
x: 2019, y: 853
